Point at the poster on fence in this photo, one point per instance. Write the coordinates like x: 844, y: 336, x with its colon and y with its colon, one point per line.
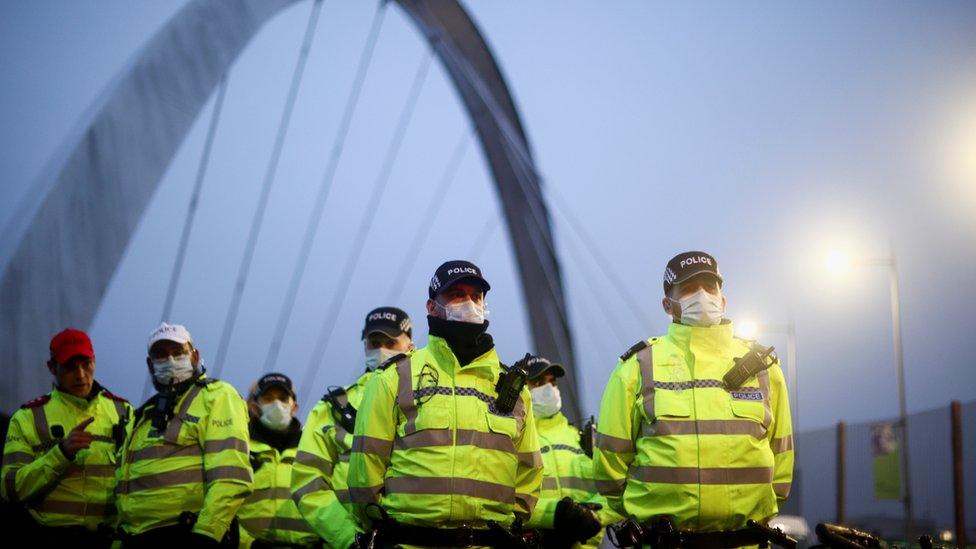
x: 886, y: 456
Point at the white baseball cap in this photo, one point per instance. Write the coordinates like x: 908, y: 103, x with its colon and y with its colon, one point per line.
x: 170, y: 332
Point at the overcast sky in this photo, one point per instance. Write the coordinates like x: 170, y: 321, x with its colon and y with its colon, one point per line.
x: 764, y: 133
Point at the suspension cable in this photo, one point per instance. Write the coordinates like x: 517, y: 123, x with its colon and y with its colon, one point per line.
x: 174, y: 278
x: 339, y: 297
x: 427, y: 223
x: 269, y: 178
x: 484, y: 237
x: 315, y: 217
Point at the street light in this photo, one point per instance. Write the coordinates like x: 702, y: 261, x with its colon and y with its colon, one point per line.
x: 838, y: 262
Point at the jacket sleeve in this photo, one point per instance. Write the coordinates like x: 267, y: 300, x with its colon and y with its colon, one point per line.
x: 376, y: 425
x: 226, y: 465
x: 781, y: 437
x: 312, y: 488
x: 528, y: 476
x: 616, y: 433
x: 27, y: 472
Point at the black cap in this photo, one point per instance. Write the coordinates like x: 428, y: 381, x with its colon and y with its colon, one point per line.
x: 268, y: 381
x: 389, y: 321
x: 452, y: 271
x: 688, y: 264
x: 535, y: 366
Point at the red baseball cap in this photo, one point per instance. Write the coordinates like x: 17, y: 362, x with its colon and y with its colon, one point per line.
x: 71, y: 343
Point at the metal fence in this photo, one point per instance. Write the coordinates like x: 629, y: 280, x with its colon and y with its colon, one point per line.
x: 815, y: 489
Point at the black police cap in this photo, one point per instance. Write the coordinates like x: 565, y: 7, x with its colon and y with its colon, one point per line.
x: 389, y: 321
x: 453, y: 271
x: 688, y: 264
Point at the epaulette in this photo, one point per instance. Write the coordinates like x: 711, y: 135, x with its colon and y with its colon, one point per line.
x: 636, y: 348
x: 37, y: 402
x: 113, y: 396
x: 392, y: 360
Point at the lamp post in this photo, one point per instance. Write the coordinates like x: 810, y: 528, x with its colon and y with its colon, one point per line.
x: 838, y: 261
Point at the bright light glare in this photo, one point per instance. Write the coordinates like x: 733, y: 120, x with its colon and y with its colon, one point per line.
x: 747, y: 329
x: 838, y: 262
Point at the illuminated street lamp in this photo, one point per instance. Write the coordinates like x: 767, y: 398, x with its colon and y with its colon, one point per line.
x: 838, y: 262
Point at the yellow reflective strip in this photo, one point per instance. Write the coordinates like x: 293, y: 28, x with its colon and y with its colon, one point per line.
x: 277, y: 492
x: 313, y: 485
x: 17, y: 458
x: 229, y: 443
x: 613, y: 444
x: 425, y: 439
x: 228, y: 472
x: 74, y: 508
x: 163, y: 451
x: 307, y: 458
x: 160, y: 480
x: 488, y: 441
x: 405, y: 394
x: 694, y: 475
x: 550, y: 483
x: 664, y: 427
x: 530, y: 459
x: 372, y: 445
x: 645, y: 358
x: 763, y: 378
x: 577, y: 483
x: 782, y: 444
x: 450, y: 485
x: 611, y: 488
x: 530, y: 500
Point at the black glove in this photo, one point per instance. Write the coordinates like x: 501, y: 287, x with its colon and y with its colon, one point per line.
x: 576, y: 521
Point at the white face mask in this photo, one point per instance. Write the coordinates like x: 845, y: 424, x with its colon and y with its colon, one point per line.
x: 465, y: 311
x: 170, y: 370
x: 276, y: 415
x: 375, y: 357
x: 701, y: 309
x: 546, y: 400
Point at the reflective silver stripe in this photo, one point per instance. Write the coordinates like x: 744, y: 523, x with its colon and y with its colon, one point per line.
x: 782, y: 489
x: 763, y: 378
x: 175, y: 424
x: 694, y: 475
x: 783, y: 444
x: 14, y: 458
x: 76, y: 470
x: 163, y: 451
x: 372, y: 445
x: 340, y: 434
x: 530, y: 459
x: 312, y: 460
x: 426, y: 438
x: 314, y: 485
x: 368, y: 494
x: 343, y: 496
x: 450, y: 485
x: 228, y: 472
x: 74, y: 508
x: 40, y: 425
x: 278, y: 492
x: 550, y: 483
x: 488, y: 441
x: 276, y: 523
x: 119, y: 408
x: 611, y: 487
x: 344, y: 457
x: 103, y: 438
x: 160, y: 480
x: 405, y: 394
x: 229, y: 443
x: 530, y: 500
x: 645, y: 358
x: 613, y: 444
x: 569, y: 483
x: 664, y: 427
x: 519, y: 413
x: 11, y: 480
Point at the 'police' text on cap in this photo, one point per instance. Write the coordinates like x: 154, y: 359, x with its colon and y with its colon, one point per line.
x: 453, y: 271
x: 688, y: 264
x: 389, y: 321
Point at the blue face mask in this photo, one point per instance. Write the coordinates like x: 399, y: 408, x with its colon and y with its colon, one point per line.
x: 465, y: 311
x: 699, y: 309
x: 375, y: 357
x: 172, y: 370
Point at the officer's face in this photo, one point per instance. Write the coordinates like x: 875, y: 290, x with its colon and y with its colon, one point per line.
x: 455, y: 293
x: 378, y: 340
x: 272, y: 394
x: 542, y: 380
x: 75, y: 376
x: 165, y: 348
x: 703, y: 281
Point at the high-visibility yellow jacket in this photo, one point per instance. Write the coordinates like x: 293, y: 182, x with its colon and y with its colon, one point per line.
x: 672, y: 440
x: 58, y: 491
x: 269, y: 514
x: 568, y: 473
x: 318, y: 478
x: 199, y: 463
x: 431, y: 448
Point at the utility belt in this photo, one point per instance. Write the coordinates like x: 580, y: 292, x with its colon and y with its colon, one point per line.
x: 177, y: 533
x: 50, y: 536
x: 660, y: 533
x: 392, y: 534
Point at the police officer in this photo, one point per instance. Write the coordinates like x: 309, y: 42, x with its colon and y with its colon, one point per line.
x: 695, y: 431
x: 269, y: 518
x: 319, y: 475
x: 445, y: 451
x: 569, y: 507
x: 185, y: 469
x: 59, y: 456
